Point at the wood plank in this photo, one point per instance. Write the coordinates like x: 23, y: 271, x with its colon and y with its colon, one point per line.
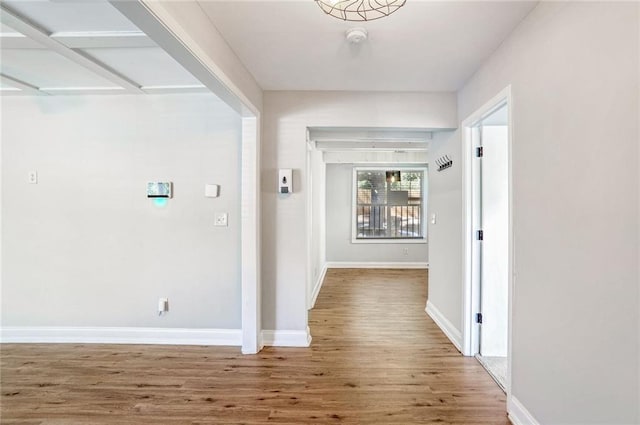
x: 376, y: 358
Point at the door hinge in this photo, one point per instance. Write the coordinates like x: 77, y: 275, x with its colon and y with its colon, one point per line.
x: 479, y: 152
x: 480, y: 235
x: 479, y: 318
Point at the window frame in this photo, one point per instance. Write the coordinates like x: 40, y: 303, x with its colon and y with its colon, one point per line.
x: 354, y: 205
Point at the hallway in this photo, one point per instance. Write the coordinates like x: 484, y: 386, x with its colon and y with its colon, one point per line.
x: 376, y: 358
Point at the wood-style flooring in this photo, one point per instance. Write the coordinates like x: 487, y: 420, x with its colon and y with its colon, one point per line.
x: 376, y: 358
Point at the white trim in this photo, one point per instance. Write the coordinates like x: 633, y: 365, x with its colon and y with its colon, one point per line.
x: 21, y: 85
x: 318, y: 286
x: 250, y: 236
x: 518, y: 414
x: 389, y: 241
x: 276, y: 338
x: 120, y: 335
x: 375, y: 265
x: 471, y: 287
x: 445, y: 325
x: 309, y: 218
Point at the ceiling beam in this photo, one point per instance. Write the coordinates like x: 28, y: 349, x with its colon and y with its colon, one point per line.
x: 38, y: 34
x: 25, y: 88
x: 103, y: 39
x: 175, y: 89
x: 82, y: 40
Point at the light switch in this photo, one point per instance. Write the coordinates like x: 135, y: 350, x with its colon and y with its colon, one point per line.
x: 433, y: 218
x: 221, y: 219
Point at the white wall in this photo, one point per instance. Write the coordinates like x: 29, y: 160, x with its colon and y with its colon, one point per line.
x: 84, y: 246
x: 445, y: 236
x: 318, y: 217
x: 339, y: 216
x: 286, y: 118
x: 573, y: 68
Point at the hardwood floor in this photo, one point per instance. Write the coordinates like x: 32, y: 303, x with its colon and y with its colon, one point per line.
x: 376, y: 358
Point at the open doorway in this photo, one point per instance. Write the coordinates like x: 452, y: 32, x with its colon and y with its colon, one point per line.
x: 487, y: 316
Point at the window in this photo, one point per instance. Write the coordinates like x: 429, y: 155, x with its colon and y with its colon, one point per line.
x: 389, y: 204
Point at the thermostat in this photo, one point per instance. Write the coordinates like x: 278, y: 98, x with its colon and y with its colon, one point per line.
x: 159, y: 190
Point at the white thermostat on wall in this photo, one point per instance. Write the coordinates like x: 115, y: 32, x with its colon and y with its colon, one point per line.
x: 159, y: 190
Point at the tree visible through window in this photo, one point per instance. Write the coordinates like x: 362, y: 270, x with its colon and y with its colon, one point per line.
x: 389, y: 204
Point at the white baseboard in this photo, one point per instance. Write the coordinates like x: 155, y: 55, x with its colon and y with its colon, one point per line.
x: 376, y: 265
x: 120, y: 335
x: 286, y: 338
x: 518, y: 414
x: 317, y: 287
x: 454, y: 335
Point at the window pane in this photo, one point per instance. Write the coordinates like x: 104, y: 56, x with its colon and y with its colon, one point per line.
x: 387, y: 207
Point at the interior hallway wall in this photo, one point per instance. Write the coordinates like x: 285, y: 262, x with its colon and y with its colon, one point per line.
x: 286, y: 118
x: 84, y: 246
x: 339, y: 215
x: 573, y: 69
x: 445, y: 236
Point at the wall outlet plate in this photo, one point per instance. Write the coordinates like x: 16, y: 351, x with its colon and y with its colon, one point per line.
x: 221, y: 219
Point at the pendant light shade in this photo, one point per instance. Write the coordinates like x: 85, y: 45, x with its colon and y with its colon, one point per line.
x: 360, y: 10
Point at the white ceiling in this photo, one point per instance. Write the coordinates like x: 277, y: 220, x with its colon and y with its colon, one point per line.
x: 70, y: 46
x: 424, y: 46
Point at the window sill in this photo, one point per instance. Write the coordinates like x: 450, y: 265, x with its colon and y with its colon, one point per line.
x: 389, y: 241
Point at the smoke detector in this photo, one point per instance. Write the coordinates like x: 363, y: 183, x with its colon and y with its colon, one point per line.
x: 356, y: 35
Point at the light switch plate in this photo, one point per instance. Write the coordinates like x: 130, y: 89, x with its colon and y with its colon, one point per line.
x: 221, y: 219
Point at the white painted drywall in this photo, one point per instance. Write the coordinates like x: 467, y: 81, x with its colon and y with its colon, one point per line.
x: 573, y: 69
x: 445, y: 236
x: 84, y: 246
x: 318, y: 221
x: 339, y: 211
x: 286, y: 118
x: 495, y: 245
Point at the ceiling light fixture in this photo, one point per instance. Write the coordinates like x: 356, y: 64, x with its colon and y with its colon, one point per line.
x: 359, y: 10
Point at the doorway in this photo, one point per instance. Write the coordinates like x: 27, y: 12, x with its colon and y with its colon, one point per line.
x: 488, y: 248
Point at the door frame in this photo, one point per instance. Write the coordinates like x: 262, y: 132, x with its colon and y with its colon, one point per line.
x: 471, y: 276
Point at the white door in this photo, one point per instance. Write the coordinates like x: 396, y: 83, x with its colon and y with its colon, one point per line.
x: 494, y: 219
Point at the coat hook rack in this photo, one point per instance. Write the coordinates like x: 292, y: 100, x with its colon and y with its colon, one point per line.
x: 444, y: 162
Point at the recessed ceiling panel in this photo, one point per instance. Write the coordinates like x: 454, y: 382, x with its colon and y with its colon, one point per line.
x: 7, y: 30
x: 72, y: 16
x: 44, y: 68
x: 146, y: 66
x: 12, y: 39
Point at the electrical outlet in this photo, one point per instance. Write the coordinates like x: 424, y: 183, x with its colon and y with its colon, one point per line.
x: 33, y: 177
x: 221, y: 219
x: 405, y: 252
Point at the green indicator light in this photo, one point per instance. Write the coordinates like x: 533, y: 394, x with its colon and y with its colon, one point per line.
x: 160, y: 202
